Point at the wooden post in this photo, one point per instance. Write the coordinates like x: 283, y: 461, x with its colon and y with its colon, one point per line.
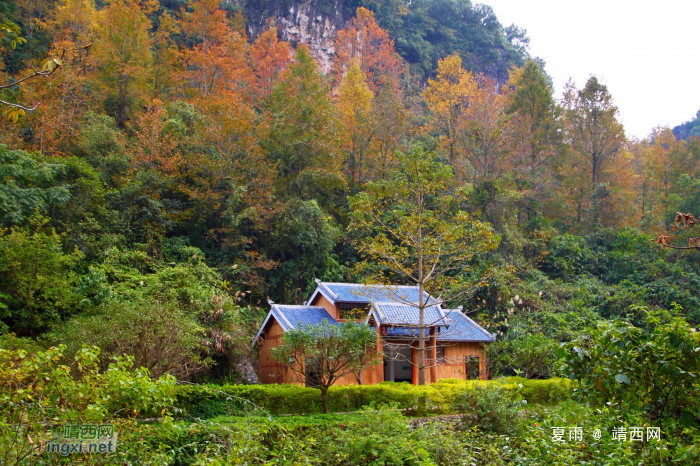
x: 391, y: 363
x: 433, y: 356
x: 379, y: 368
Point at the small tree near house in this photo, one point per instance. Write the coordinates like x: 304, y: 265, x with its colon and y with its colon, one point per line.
x: 324, y: 353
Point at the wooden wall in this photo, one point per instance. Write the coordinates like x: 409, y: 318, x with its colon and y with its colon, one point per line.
x: 331, y: 308
x: 455, y: 354
x: 454, y: 365
x: 270, y: 370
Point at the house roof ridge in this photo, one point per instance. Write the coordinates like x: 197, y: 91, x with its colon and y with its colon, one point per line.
x: 321, y: 284
x: 400, y: 303
x: 299, y: 305
x: 371, y: 284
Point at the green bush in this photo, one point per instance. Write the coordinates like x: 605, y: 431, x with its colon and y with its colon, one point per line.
x: 207, y: 401
x: 539, y: 391
x: 651, y: 368
x: 38, y: 393
x: 490, y: 407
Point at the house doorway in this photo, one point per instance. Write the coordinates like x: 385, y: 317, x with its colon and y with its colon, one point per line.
x: 397, y: 363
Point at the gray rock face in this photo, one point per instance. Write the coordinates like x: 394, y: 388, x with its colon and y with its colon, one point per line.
x: 309, y: 22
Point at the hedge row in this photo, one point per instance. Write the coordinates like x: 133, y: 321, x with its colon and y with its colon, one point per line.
x: 207, y: 401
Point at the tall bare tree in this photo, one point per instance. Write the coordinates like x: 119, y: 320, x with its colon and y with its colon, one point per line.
x: 410, y: 228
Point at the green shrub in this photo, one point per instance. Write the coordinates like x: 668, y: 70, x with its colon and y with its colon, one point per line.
x: 653, y: 368
x: 207, y: 401
x: 38, y: 393
x: 490, y: 407
x: 540, y: 391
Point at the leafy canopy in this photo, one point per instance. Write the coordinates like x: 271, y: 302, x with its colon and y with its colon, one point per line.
x: 411, y: 228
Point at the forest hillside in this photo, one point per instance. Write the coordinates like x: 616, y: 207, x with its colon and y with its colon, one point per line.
x: 169, y: 167
x: 172, y: 165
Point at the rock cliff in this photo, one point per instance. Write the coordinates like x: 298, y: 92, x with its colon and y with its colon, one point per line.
x: 311, y: 22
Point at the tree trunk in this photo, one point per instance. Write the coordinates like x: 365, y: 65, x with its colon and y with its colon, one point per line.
x: 421, y: 333
x: 324, y: 398
x: 594, y: 170
x: 421, y: 303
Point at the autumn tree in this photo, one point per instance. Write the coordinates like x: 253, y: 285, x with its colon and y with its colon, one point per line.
x: 12, y: 33
x: 217, y: 58
x: 55, y: 124
x: 478, y: 134
x: 53, y: 109
x: 446, y: 97
x: 156, y: 145
x: 302, y: 138
x: 354, y: 105
x: 123, y: 50
x: 165, y: 54
x: 390, y: 124
x: 531, y: 98
x: 71, y: 22
x: 269, y: 57
x: 31, y: 14
x: 485, y: 134
x: 363, y: 40
x: 410, y: 229
x: 534, y: 134
x: 592, y: 128
x: 595, y: 137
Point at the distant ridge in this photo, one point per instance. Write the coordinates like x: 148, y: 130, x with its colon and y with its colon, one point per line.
x: 689, y: 128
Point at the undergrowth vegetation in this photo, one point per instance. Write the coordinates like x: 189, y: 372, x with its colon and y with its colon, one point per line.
x: 503, y: 421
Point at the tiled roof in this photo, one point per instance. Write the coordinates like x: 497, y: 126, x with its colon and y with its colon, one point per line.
x: 392, y: 313
x: 358, y: 293
x: 461, y: 328
x: 289, y: 316
x: 304, y: 315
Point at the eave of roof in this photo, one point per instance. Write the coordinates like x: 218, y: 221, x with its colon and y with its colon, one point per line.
x: 277, y: 312
x: 490, y: 336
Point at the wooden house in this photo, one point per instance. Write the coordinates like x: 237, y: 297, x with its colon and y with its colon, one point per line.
x: 455, y: 343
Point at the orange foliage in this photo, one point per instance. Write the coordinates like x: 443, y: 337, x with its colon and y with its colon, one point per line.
x: 365, y: 41
x: 154, y: 147
x: 269, y: 57
x: 218, y: 59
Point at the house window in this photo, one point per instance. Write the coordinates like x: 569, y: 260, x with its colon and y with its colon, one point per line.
x: 472, y: 368
x: 440, y: 351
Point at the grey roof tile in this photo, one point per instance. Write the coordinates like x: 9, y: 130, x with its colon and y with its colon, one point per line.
x: 461, y: 328
x: 355, y: 292
x: 289, y: 316
x: 304, y: 315
x: 391, y: 313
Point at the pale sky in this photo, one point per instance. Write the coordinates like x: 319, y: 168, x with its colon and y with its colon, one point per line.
x: 646, y: 52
